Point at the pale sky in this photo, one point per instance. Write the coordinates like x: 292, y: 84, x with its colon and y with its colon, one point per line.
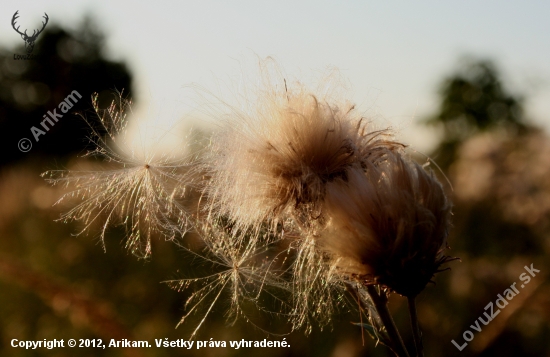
x: 392, y: 53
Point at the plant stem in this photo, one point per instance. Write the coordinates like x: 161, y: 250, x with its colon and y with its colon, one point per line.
x: 415, y: 328
x: 380, y: 303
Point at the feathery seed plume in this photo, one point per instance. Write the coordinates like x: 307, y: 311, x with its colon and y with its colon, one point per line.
x: 141, y: 191
x: 245, y: 272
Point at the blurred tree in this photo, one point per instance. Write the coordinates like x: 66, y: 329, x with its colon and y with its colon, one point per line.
x: 479, y: 118
x: 63, y: 61
x: 474, y: 99
x: 498, y: 164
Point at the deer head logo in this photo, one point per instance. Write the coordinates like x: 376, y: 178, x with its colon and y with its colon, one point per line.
x: 29, y: 40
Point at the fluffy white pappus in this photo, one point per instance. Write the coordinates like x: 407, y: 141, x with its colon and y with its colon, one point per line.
x: 318, y: 290
x: 273, y: 160
x: 142, y: 191
x: 245, y: 273
x: 388, y: 224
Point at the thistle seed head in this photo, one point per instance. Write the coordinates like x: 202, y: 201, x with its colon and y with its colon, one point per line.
x: 388, y: 224
x: 273, y: 161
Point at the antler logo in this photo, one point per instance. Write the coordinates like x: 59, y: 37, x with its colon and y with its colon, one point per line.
x: 29, y: 40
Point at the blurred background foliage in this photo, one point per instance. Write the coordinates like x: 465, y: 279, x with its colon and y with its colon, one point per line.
x: 57, y: 285
x: 498, y: 164
x: 65, y: 61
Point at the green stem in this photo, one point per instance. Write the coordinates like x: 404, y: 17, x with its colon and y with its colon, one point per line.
x: 381, y: 304
x: 415, y: 328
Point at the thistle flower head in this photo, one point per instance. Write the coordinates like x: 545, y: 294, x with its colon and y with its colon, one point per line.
x: 139, y: 190
x: 388, y: 224
x: 274, y: 160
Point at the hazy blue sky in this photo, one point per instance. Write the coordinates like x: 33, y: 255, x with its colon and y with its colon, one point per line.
x: 393, y: 53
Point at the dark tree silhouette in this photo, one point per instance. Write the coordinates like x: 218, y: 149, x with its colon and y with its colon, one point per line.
x: 62, y: 62
x: 472, y: 100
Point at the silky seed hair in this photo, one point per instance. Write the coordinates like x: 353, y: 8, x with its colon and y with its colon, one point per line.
x: 143, y: 192
x: 318, y: 291
x: 246, y: 273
